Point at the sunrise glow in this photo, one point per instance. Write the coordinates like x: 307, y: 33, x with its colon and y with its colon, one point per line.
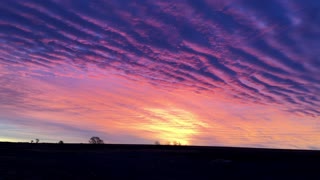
x: 220, y: 73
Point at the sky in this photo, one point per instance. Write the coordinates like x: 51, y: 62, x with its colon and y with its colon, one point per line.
x: 199, y: 72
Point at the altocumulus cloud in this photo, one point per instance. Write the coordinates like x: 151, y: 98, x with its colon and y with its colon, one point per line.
x: 264, y: 52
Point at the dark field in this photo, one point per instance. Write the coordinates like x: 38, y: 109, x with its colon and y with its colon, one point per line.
x: 86, y: 161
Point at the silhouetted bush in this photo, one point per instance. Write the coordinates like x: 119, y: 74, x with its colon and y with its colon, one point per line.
x: 95, y: 140
x: 60, y: 142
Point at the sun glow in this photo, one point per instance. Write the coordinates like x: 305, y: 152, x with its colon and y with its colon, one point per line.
x: 172, y: 126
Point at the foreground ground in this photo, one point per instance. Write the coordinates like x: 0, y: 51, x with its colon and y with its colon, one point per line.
x: 85, y: 161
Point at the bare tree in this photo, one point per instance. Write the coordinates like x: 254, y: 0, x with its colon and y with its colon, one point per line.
x: 95, y: 140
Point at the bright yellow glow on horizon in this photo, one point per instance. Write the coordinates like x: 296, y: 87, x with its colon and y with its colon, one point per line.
x: 10, y: 140
x: 172, y: 126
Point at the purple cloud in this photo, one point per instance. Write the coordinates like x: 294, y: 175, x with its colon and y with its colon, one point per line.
x: 263, y: 52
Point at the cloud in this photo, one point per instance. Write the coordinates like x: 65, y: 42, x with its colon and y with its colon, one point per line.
x: 206, y: 48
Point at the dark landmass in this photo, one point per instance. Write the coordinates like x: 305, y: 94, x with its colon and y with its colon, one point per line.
x: 91, y: 161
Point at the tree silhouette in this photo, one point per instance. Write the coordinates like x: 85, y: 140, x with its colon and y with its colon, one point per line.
x: 37, y: 140
x: 157, y: 143
x: 31, y: 141
x: 95, y: 140
x: 60, y: 142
